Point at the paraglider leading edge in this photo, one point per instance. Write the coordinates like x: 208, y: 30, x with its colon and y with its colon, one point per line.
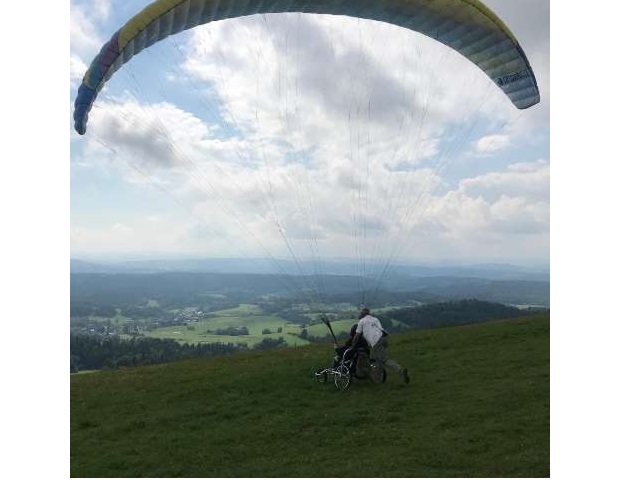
x: 467, y: 26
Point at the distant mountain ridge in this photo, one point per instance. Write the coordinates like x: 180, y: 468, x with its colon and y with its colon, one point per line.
x: 491, y: 271
x: 338, y: 288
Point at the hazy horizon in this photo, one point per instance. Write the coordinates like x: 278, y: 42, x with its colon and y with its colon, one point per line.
x: 441, y: 263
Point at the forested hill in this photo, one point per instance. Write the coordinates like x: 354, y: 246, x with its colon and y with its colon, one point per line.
x: 186, y: 288
x: 458, y: 312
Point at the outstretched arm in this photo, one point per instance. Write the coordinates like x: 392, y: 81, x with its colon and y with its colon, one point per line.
x: 355, y: 340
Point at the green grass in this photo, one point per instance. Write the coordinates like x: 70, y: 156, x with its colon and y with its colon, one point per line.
x: 240, y: 311
x: 338, y: 326
x: 249, y: 316
x: 256, y: 323
x: 477, y: 406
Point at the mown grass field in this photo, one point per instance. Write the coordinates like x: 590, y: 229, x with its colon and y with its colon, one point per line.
x: 251, y: 317
x: 256, y: 324
x: 477, y: 406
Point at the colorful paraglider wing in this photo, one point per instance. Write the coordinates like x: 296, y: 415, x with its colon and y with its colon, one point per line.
x: 467, y: 26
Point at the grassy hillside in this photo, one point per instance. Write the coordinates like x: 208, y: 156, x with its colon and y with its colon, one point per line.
x: 477, y: 406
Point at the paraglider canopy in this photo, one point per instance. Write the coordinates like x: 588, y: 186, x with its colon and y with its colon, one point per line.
x: 466, y: 26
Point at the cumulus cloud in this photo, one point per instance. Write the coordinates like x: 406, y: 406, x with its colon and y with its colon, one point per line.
x: 150, y: 136
x: 336, y: 92
x: 529, y: 180
x: 495, y: 208
x: 84, y: 35
x: 78, y: 67
x: 519, y: 216
x: 491, y: 143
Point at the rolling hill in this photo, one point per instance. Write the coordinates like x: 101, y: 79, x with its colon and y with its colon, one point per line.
x: 477, y: 406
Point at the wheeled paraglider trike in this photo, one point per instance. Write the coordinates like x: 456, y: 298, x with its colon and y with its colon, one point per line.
x: 351, y: 364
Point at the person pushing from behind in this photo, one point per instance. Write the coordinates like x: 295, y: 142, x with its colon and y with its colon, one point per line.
x: 372, y: 331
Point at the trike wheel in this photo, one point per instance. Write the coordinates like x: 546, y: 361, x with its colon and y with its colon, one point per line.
x: 321, y: 375
x: 342, y: 377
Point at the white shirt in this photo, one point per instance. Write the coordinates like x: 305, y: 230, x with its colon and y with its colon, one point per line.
x: 370, y: 328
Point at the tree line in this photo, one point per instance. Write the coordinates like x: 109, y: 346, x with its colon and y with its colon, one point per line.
x: 105, y: 352
x: 455, y: 312
x: 98, y: 352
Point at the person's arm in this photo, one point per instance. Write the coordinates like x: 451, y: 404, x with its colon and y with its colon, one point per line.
x: 355, y: 340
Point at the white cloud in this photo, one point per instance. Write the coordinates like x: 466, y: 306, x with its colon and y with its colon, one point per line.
x: 529, y: 180
x: 148, y: 136
x: 330, y: 89
x: 519, y: 216
x: 84, y: 35
x: 494, y: 207
x: 78, y: 67
x: 492, y: 143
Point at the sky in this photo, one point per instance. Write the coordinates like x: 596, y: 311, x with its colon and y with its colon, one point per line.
x: 308, y: 137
